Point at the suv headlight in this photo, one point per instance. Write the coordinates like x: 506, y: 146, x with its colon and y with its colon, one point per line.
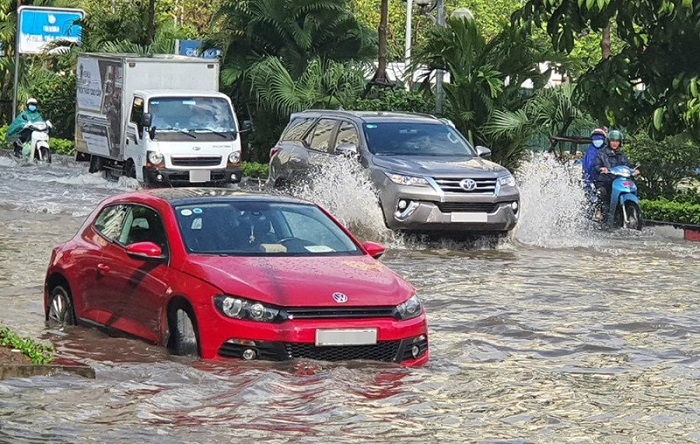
x: 234, y: 157
x: 240, y: 308
x: 407, y: 180
x: 155, y: 157
x: 409, y: 309
x: 507, y: 181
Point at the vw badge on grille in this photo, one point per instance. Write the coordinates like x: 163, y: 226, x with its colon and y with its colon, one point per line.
x: 468, y: 184
x: 340, y: 298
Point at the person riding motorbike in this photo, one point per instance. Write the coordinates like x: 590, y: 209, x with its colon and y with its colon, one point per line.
x: 608, y: 157
x: 598, y: 137
x: 17, y: 131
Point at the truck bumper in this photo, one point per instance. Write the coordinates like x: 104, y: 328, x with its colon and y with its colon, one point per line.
x: 169, y: 176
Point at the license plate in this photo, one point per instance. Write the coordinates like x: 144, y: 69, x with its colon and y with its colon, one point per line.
x: 200, y: 175
x: 325, y: 338
x: 469, y: 217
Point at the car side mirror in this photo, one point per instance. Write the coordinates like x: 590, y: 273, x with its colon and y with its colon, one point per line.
x: 374, y: 249
x: 147, y: 251
x: 347, y: 149
x: 146, y: 120
x: 483, y: 152
x: 246, y: 126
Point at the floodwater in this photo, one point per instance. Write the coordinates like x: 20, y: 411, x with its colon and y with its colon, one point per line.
x: 559, y: 333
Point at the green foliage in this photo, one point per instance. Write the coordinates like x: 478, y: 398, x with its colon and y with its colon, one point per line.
x: 57, y: 103
x: 254, y: 169
x: 653, y: 80
x: 670, y: 211
x: 395, y: 100
x: 38, y: 353
x: 664, y: 164
x: 62, y: 146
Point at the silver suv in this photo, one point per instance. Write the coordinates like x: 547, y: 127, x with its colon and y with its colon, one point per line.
x: 428, y: 175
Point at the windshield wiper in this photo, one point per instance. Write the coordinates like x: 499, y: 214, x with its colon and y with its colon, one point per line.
x: 188, y: 133
x: 218, y: 133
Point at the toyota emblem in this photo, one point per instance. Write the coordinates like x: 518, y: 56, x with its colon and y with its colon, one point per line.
x: 468, y: 184
x: 340, y: 298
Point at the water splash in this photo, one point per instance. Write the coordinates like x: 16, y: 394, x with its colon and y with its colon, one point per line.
x: 343, y: 187
x: 552, y: 202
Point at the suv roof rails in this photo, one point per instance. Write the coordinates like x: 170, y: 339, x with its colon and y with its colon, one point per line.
x: 360, y: 114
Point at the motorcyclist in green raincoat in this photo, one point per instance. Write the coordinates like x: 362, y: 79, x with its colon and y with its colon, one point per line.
x: 16, y: 133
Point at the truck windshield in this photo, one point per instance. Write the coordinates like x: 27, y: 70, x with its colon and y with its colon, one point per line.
x: 416, y: 139
x: 191, y: 114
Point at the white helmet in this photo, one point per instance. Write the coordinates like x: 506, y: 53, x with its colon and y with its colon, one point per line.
x: 32, y: 101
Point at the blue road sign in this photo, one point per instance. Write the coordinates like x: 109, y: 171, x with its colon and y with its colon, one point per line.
x: 39, y: 26
x: 191, y: 48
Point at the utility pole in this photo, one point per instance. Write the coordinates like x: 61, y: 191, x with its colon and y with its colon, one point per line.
x: 439, y: 75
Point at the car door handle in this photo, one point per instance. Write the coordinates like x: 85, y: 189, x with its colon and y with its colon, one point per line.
x: 102, y: 269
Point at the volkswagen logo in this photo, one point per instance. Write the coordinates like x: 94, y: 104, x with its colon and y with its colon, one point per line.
x: 340, y: 298
x: 468, y: 184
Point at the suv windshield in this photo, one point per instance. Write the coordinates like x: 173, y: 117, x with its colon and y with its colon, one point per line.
x: 416, y: 139
x: 260, y: 228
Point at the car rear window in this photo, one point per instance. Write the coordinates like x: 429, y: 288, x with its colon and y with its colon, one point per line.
x: 296, y: 129
x: 261, y: 228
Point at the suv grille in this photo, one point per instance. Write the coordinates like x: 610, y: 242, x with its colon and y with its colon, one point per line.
x: 345, y: 312
x: 451, y: 185
x: 467, y: 207
x: 196, y: 161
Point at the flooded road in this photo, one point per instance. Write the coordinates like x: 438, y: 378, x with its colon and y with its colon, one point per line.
x: 560, y: 333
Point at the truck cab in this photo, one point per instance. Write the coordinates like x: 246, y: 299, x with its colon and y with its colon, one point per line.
x: 182, y: 137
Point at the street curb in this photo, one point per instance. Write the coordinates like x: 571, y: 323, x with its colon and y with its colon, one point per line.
x: 60, y: 366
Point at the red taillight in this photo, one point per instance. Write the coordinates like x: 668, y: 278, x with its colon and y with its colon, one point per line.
x: 626, y: 184
x: 273, y: 151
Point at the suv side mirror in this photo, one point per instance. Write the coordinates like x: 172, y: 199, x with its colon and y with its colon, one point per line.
x: 483, y: 152
x: 146, y: 120
x: 347, y: 149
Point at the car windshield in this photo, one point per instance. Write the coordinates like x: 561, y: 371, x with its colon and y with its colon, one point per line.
x: 261, y: 228
x: 197, y: 114
x: 416, y: 139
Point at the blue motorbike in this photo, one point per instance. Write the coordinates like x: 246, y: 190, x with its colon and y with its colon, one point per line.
x: 623, y: 209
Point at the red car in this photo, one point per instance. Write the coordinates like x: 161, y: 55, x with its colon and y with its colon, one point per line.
x: 221, y: 273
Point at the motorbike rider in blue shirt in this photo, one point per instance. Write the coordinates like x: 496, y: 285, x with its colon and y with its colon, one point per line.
x: 608, y: 157
x: 597, y: 142
x: 16, y: 133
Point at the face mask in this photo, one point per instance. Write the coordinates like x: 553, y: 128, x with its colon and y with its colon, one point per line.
x: 597, y: 143
x: 32, y: 107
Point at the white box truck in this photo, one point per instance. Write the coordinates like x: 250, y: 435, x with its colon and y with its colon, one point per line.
x: 160, y: 119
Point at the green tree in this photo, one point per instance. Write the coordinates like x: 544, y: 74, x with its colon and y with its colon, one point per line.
x: 654, y: 80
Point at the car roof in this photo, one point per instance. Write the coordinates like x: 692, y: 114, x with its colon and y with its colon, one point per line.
x: 183, y: 196
x: 371, y: 116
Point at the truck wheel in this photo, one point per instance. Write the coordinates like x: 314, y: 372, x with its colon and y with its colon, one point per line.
x: 96, y: 163
x: 130, y: 169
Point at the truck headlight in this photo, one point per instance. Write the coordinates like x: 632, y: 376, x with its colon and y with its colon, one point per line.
x: 507, y: 181
x: 155, y: 158
x: 245, y: 309
x: 409, y: 309
x: 407, y: 180
x: 234, y: 157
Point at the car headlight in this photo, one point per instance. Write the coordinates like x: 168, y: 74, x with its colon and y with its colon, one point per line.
x: 240, y: 308
x: 155, y: 157
x: 507, y: 181
x: 234, y: 157
x: 409, y: 309
x: 408, y: 180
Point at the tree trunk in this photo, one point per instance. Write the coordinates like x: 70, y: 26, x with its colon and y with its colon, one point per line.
x: 380, y: 78
x: 605, y: 42
x: 151, y: 22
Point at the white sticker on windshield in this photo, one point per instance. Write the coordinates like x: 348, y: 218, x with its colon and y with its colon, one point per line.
x: 197, y: 224
x: 319, y: 249
x: 186, y: 212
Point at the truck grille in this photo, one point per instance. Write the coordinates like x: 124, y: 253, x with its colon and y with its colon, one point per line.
x: 466, y: 207
x: 451, y: 185
x: 196, y: 161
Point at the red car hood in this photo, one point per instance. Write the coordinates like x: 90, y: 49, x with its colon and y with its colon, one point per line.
x: 303, y: 281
